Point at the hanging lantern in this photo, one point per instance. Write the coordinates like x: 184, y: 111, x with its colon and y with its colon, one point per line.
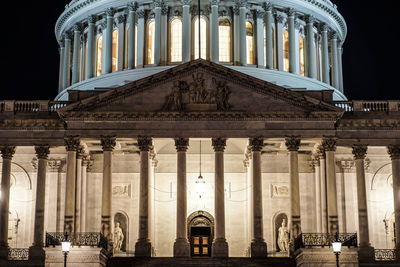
x: 200, y: 182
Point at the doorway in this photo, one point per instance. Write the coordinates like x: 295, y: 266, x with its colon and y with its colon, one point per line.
x: 200, y: 233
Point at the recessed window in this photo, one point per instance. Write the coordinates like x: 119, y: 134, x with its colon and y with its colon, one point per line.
x: 176, y: 40
x: 224, y: 29
x: 203, y: 37
x: 115, y: 50
x: 250, y: 42
x: 127, y: 46
x: 150, y: 42
x: 302, y: 56
x: 99, y: 50
x: 286, y: 50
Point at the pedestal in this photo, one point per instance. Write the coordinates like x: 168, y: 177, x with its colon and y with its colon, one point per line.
x: 220, y: 248
x: 143, y: 249
x: 258, y: 249
x: 181, y: 248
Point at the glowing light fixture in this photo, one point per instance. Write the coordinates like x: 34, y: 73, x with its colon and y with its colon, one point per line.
x: 337, y: 248
x: 200, y: 182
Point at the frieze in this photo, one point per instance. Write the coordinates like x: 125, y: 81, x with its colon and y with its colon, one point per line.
x: 122, y: 190
x: 280, y: 190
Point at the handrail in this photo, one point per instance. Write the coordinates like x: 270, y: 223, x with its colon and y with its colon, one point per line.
x: 385, y: 254
x: 92, y: 239
x: 18, y: 254
x: 369, y: 106
x: 324, y: 240
x: 31, y: 106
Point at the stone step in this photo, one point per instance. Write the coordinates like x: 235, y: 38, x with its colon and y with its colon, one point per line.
x: 203, y: 262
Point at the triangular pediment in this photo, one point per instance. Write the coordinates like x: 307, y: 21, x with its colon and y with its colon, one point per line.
x: 199, y: 86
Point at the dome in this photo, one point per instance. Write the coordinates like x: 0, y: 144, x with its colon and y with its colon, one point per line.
x: 296, y: 44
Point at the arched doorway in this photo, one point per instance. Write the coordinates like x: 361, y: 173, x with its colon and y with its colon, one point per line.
x: 200, y: 233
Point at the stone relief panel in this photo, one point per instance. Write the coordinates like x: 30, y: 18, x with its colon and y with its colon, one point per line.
x: 280, y: 190
x: 122, y: 190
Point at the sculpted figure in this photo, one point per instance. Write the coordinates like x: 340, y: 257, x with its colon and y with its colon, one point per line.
x: 198, y: 91
x: 221, y: 95
x: 283, y: 237
x: 118, y: 237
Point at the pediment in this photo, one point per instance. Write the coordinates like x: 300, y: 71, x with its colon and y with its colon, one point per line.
x: 199, y: 86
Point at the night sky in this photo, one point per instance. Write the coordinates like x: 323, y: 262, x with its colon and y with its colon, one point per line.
x: 30, y: 57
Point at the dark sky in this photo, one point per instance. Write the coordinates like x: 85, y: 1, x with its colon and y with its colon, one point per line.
x: 30, y: 58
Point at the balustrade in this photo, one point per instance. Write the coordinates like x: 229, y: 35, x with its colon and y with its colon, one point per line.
x: 91, y: 239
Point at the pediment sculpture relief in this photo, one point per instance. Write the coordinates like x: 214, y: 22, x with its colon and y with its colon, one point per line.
x: 195, y: 95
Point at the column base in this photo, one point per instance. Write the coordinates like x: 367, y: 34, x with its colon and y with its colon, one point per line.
x: 143, y: 249
x: 37, y: 253
x: 181, y: 248
x: 220, y: 248
x: 258, y: 249
x: 4, y: 252
x: 366, y: 254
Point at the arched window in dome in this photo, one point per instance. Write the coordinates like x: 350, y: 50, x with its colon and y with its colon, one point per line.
x: 127, y: 46
x: 224, y: 29
x: 250, y: 42
x: 286, y: 50
x: 99, y: 50
x: 115, y: 50
x: 302, y: 56
x: 273, y: 46
x: 176, y: 40
x: 203, y: 40
x: 150, y: 41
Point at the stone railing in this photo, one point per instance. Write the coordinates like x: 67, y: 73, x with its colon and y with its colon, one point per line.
x: 385, y: 254
x: 92, y: 239
x: 368, y: 106
x: 33, y: 106
x: 18, y: 254
x: 324, y: 240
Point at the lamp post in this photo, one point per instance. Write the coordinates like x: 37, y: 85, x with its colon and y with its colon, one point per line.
x: 66, y: 246
x: 337, y: 248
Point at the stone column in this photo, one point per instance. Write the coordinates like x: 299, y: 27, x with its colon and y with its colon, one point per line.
x: 214, y: 41
x: 164, y: 34
x: 85, y: 164
x: 242, y: 32
x: 366, y: 252
x: 236, y: 32
x: 76, y: 53
x: 108, y: 144
x: 268, y: 31
x: 292, y: 40
x: 78, y: 195
x: 324, y: 212
x: 220, y: 246
x: 292, y: 144
x: 91, y: 47
x: 186, y: 26
x: 107, y: 68
x: 58, y: 165
x: 335, y: 67
x: 325, y: 54
x: 61, y: 66
x: 157, y: 32
x: 394, y: 152
x: 67, y: 60
x: 143, y: 245
x: 317, y: 179
x: 7, y: 153
x: 340, y: 66
x: 140, y: 38
x: 72, y: 144
x: 258, y: 247
x: 181, y: 245
x: 329, y: 145
x: 132, y: 7
x: 36, y: 250
x: 260, y: 38
x: 310, y: 47
x: 280, y: 22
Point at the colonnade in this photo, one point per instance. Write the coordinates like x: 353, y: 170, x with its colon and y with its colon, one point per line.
x: 328, y: 221
x: 268, y: 22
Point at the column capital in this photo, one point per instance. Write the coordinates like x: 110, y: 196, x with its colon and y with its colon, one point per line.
x: 108, y: 142
x: 291, y: 12
x: 77, y: 27
x: 157, y: 3
x: 186, y: 2
x: 145, y: 143
x: 7, y: 152
x: 72, y: 143
x: 181, y: 144
x: 394, y: 151
x: 315, y: 160
x: 242, y: 3
x: 214, y: 2
x: 292, y: 143
x: 42, y: 151
x: 92, y: 19
x: 333, y: 35
x: 132, y: 7
x: 86, y: 161
x: 256, y: 144
x: 80, y: 152
x: 320, y: 152
x: 329, y: 143
x: 110, y: 12
x: 279, y: 18
x: 140, y: 13
x: 67, y: 35
x: 310, y: 19
x: 219, y: 144
x: 260, y: 14
x: 359, y: 151
x: 267, y: 6
x: 323, y: 27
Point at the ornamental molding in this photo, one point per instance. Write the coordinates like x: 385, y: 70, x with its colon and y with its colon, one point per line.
x: 292, y: 143
x: 72, y: 143
x: 33, y: 124
x: 108, y: 143
x: 369, y: 124
x: 145, y: 143
x: 181, y: 144
x: 42, y: 151
x: 218, y: 144
x: 329, y: 143
x: 359, y: 151
x: 256, y: 144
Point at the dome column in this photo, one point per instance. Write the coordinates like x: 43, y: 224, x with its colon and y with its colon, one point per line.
x: 157, y: 32
x: 61, y: 66
x: 140, y: 38
x: 90, y: 47
x: 214, y: 38
x: 107, y: 68
x: 310, y: 47
x: 325, y: 54
x: 260, y: 38
x: 340, y: 66
x: 131, y: 35
x: 236, y: 43
x: 67, y: 60
x: 76, y: 53
x: 268, y: 31
x: 164, y: 34
x: 394, y: 152
x: 292, y: 40
x: 186, y: 22
x: 335, y: 66
x: 242, y: 32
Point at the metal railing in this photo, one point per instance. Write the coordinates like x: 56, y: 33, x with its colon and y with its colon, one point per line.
x: 368, y: 106
x: 385, y: 254
x: 18, y: 254
x: 34, y: 106
x: 92, y: 239
x: 324, y: 240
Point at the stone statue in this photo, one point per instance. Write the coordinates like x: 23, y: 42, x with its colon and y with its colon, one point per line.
x: 118, y: 237
x: 283, y: 237
x: 221, y: 95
